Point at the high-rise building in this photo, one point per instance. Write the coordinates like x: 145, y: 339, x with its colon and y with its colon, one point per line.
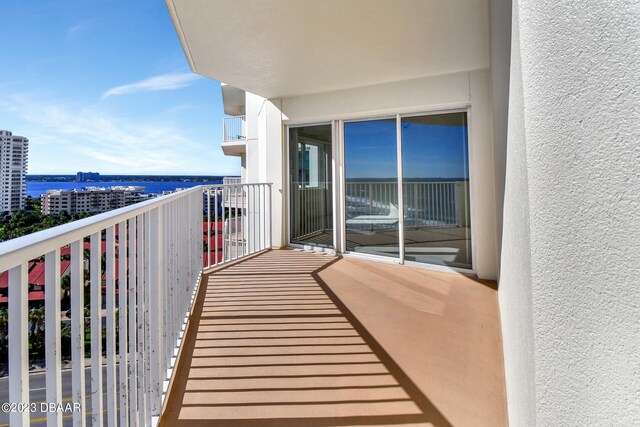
x: 13, y: 167
x: 87, y: 176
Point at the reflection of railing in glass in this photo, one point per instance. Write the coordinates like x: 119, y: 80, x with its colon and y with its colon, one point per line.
x: 314, y: 213
x: 426, y: 204
x: 310, y: 198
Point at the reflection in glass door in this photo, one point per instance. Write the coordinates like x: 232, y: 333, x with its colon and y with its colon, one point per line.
x: 311, y: 215
x: 371, y: 187
x: 435, y: 175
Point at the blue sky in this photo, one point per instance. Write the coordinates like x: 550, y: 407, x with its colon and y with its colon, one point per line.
x: 105, y: 86
x: 428, y: 151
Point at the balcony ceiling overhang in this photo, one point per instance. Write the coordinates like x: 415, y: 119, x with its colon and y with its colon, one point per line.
x: 233, y: 99
x: 278, y: 48
x: 234, y: 148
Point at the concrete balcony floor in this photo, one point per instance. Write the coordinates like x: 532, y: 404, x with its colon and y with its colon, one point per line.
x: 292, y: 338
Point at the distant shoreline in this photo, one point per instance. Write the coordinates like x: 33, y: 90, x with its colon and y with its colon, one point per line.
x: 151, y: 184
x: 126, y: 178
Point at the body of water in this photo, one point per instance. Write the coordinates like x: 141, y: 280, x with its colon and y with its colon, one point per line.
x: 36, y: 188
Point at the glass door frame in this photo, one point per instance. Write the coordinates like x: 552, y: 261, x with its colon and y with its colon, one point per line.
x: 339, y: 186
x: 289, y: 191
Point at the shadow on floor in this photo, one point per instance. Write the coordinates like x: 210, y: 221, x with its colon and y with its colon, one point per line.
x: 269, y: 344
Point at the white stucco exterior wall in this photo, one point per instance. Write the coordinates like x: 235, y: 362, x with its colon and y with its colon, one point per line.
x: 516, y: 310
x: 271, y: 165
x: 500, y: 51
x: 253, y: 104
x: 571, y: 313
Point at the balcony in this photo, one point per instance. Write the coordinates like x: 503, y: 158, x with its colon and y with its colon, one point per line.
x: 201, y: 323
x: 294, y: 338
x: 234, y: 137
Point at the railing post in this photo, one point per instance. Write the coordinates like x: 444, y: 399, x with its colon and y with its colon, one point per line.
x: 216, y: 225
x: 77, y: 331
x: 95, y: 272
x: 415, y: 203
x: 269, y: 216
x: 52, y: 335
x: 167, y: 336
x: 133, y: 366
x: 110, y: 286
x: 262, y: 216
x: 156, y: 311
x: 123, y: 358
x: 19, y: 343
x: 208, y: 245
x: 225, y: 192
x: 235, y: 236
x: 140, y: 320
x: 146, y: 327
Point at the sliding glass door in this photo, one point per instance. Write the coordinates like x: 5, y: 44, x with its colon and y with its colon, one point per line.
x: 433, y: 224
x: 371, y: 187
x: 435, y: 175
x: 406, y: 188
x: 310, y: 186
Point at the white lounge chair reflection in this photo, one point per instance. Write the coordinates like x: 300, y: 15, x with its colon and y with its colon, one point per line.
x: 373, y: 220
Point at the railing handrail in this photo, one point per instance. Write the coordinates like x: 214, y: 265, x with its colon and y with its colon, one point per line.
x: 14, y: 251
x: 406, y: 182
x: 236, y: 185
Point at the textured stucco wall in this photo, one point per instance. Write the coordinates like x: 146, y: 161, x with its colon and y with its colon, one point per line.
x: 578, y: 182
x: 271, y: 161
x: 516, y: 311
x: 500, y: 51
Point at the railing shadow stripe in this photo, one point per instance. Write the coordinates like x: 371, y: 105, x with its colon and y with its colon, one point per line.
x: 305, y: 403
x: 211, y: 310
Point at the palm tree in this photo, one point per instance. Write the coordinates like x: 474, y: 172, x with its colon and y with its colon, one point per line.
x: 36, y: 329
x: 4, y: 331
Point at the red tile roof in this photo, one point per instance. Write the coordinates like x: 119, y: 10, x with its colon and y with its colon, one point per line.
x: 36, y: 296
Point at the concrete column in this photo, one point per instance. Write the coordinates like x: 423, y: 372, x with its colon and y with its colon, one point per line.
x: 271, y: 154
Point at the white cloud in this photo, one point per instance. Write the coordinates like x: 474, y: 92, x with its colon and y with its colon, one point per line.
x: 77, y: 29
x: 169, y: 81
x: 74, y: 137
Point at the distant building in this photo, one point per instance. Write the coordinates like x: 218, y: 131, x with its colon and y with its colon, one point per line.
x: 91, y: 199
x: 87, y: 176
x: 13, y: 167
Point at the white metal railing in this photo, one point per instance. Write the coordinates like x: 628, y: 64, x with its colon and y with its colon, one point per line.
x: 234, y: 128
x: 228, y: 180
x: 426, y: 203
x: 152, y: 260
x: 238, y: 221
x: 233, y: 180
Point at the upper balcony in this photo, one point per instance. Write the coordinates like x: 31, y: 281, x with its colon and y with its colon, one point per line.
x: 234, y: 139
